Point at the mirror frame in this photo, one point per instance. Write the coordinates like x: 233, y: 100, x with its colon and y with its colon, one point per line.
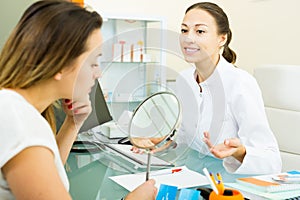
x: 172, y: 132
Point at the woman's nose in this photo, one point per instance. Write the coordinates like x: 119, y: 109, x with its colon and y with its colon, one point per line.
x: 185, y: 39
x: 190, y: 37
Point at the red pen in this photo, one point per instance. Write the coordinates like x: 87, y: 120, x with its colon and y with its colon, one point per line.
x: 164, y: 172
x: 176, y: 170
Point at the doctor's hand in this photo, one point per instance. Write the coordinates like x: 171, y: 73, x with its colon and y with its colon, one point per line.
x: 230, y: 147
x: 146, y: 191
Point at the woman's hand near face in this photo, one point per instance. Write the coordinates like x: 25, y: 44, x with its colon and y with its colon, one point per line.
x: 230, y: 147
x: 76, y: 114
x: 146, y: 191
x: 77, y: 111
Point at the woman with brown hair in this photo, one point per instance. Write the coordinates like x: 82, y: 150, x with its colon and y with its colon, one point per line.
x: 223, y: 111
x: 50, y: 55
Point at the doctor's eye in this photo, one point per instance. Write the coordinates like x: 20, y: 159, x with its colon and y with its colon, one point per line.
x: 184, y: 30
x: 200, y: 31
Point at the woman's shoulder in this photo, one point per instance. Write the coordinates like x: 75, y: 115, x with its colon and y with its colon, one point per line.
x: 185, y: 78
x: 17, y: 111
x: 187, y: 72
x: 10, y: 96
x: 235, y: 74
x: 237, y: 80
x: 12, y: 102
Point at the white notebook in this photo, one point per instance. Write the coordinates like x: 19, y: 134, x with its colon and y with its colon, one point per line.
x: 141, y: 159
x: 265, y: 183
x: 252, y: 193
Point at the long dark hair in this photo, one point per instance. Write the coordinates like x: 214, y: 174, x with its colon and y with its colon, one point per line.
x: 222, y: 23
x: 48, y: 37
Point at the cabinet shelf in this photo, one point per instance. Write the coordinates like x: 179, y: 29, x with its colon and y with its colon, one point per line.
x: 118, y: 101
x: 132, y: 60
x: 151, y: 62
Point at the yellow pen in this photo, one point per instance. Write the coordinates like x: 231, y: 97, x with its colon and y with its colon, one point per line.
x: 219, y: 177
x: 220, y: 186
x: 213, y: 180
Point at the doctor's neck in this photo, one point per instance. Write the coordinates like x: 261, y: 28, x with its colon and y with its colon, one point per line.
x: 205, y: 68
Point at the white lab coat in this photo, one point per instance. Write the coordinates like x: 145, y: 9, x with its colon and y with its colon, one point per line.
x: 230, y: 105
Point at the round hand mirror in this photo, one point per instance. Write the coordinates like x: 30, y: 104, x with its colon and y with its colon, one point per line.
x: 154, y: 123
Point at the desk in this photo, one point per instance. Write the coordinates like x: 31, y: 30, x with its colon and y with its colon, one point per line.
x: 89, y: 173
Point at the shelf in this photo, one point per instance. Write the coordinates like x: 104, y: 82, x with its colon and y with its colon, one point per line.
x: 151, y: 62
x: 133, y: 101
x: 132, y: 60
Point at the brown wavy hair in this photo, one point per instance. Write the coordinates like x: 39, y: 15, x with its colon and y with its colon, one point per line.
x: 48, y: 37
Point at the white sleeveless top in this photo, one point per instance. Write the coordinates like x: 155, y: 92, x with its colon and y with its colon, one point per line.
x: 22, y: 126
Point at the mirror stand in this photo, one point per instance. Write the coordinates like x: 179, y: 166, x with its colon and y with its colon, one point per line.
x: 148, y: 164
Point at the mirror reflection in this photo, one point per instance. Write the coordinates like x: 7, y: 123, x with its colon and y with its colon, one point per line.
x: 154, y: 123
x: 154, y: 120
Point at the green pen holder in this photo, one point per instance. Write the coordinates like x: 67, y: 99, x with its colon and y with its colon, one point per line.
x: 234, y: 194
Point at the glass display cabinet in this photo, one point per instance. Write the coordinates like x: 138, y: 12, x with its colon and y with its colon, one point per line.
x: 133, y: 61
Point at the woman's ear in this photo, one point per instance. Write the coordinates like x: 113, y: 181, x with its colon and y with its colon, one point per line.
x: 222, y: 40
x: 58, y: 76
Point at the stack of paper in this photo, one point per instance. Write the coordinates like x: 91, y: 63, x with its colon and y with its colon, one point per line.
x: 266, y: 186
x: 262, y: 183
x: 184, y: 178
x: 256, y: 194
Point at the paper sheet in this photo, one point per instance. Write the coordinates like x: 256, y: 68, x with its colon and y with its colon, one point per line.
x: 184, y: 179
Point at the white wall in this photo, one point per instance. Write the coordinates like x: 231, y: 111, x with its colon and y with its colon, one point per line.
x: 172, y: 12
x: 264, y: 31
x: 10, y: 13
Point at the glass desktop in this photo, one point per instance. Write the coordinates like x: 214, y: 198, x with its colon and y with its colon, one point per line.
x: 89, y: 171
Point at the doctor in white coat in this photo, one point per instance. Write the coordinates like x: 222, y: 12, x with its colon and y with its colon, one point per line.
x: 223, y: 110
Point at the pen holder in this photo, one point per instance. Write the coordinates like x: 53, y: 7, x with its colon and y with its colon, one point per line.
x: 229, y: 194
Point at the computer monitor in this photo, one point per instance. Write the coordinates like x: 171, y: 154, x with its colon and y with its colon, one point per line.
x: 99, y: 115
